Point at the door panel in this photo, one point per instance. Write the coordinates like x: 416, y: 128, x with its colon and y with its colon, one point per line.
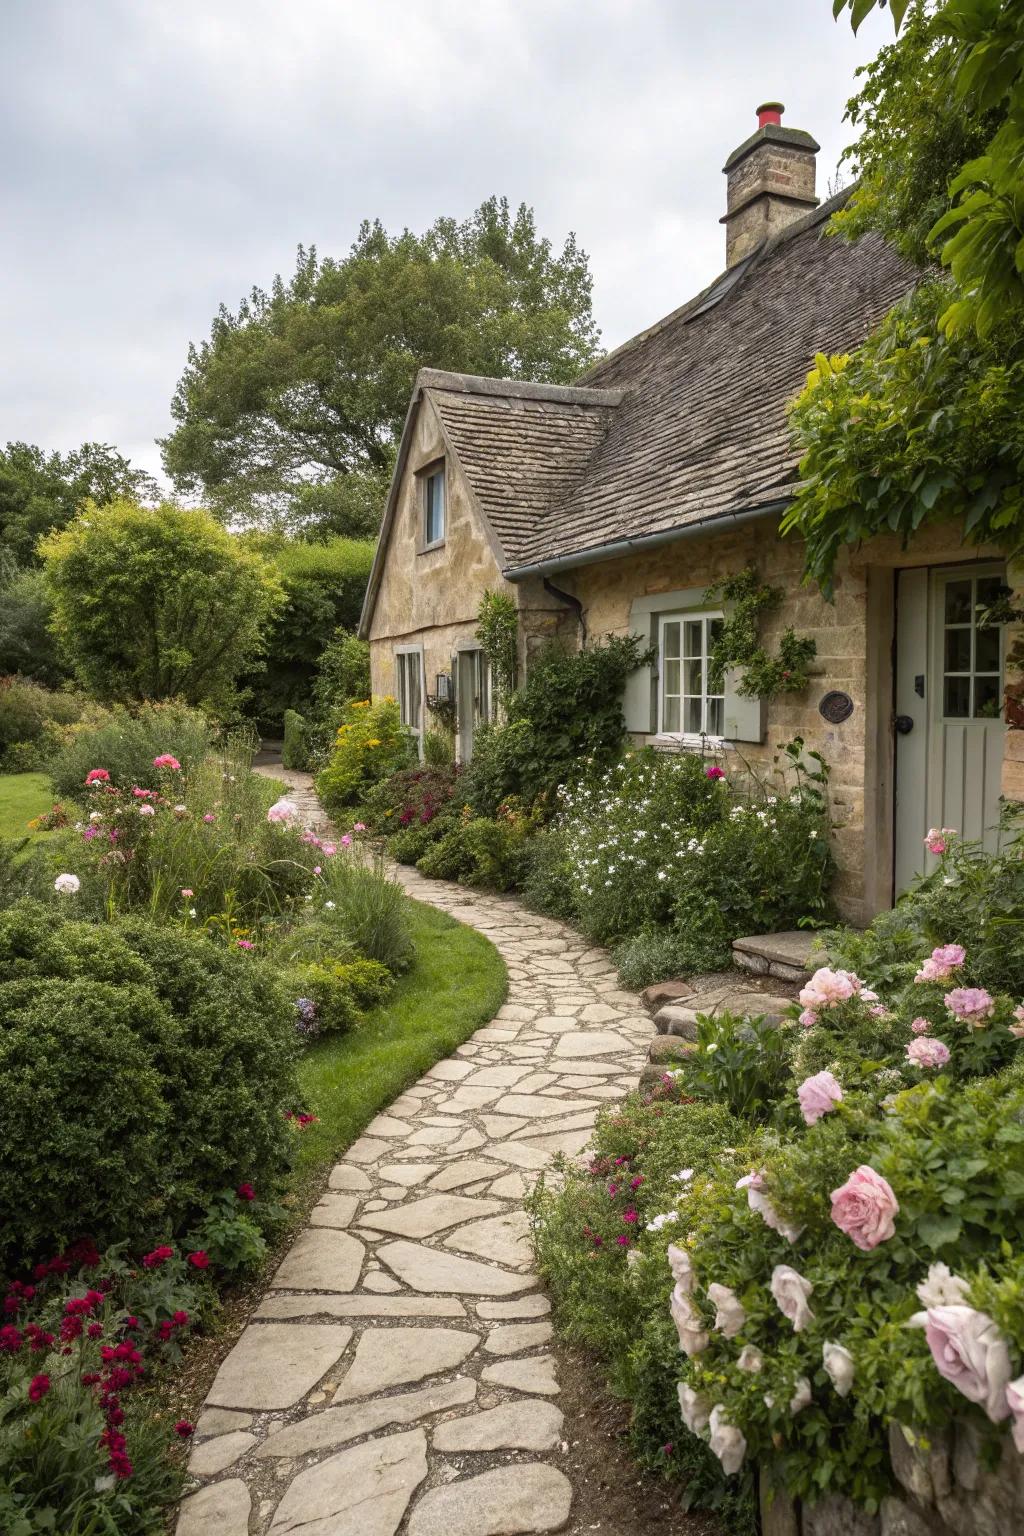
x: 949, y: 685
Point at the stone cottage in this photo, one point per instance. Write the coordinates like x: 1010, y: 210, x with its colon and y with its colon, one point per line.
x: 609, y: 507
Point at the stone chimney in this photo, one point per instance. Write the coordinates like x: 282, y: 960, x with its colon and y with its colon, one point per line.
x: 770, y: 182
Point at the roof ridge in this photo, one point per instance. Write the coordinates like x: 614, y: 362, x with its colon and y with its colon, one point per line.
x: 797, y: 227
x: 520, y: 389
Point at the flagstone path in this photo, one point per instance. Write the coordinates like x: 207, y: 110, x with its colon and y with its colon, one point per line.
x: 398, y: 1374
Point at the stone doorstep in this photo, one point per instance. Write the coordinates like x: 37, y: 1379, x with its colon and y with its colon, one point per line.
x: 791, y: 955
x: 681, y: 1018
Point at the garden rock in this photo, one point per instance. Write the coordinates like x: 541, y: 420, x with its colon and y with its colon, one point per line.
x: 320, y: 1259
x: 791, y: 956
x: 509, y: 1501
x: 274, y: 1364
x: 221, y: 1507
x: 527, y: 1425
x: 389, y: 1357
x: 323, y: 1431
x: 661, y: 992
x: 361, y: 1492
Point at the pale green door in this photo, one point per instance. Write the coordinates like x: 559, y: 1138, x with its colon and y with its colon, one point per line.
x: 948, y: 699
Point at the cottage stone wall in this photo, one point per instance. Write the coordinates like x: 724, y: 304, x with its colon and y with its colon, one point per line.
x: 948, y: 1487
x: 431, y: 597
x: 853, y: 635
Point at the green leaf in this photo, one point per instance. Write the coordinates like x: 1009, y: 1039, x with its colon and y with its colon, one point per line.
x: 940, y: 1229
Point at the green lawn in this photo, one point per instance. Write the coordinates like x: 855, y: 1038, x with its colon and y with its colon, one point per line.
x: 22, y: 796
x: 456, y: 983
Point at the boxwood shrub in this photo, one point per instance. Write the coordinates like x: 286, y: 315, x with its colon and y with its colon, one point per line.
x: 141, y: 1071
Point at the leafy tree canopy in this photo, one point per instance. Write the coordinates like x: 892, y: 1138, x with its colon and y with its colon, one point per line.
x: 291, y: 410
x: 924, y: 423
x: 40, y: 491
x: 157, y: 604
x: 958, y: 59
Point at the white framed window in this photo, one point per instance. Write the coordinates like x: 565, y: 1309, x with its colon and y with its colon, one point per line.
x: 433, y: 507
x: 687, y: 705
x: 409, y: 682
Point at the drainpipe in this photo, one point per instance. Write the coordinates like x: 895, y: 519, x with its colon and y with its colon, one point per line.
x: 574, y: 603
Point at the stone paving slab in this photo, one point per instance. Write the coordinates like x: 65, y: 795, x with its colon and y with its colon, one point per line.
x: 405, y: 1327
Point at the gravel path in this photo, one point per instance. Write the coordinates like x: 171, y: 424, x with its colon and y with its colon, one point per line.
x: 397, y: 1375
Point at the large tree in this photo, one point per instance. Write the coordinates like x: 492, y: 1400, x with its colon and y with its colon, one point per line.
x: 291, y: 411
x: 41, y: 491
x: 924, y: 423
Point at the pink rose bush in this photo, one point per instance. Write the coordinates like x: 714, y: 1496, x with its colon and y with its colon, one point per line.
x: 938, y: 839
x: 927, y: 1052
x: 941, y: 963
x: 865, y: 1208
x: 970, y: 1352
x: 828, y: 988
x: 971, y: 1005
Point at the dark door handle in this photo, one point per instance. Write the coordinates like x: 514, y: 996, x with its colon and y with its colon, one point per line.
x: 904, y: 724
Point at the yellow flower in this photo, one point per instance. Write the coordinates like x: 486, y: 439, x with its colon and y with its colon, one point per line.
x: 374, y: 741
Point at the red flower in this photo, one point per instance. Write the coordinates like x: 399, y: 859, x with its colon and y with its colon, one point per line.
x: 10, y: 1339
x: 246, y: 1192
x: 714, y: 772
x: 95, y: 1330
x: 90, y: 1378
x: 184, y: 1429
x: 157, y: 1257
x: 38, y: 1387
x: 200, y: 1259
x: 130, y: 1323
x: 180, y: 1318
x: 97, y: 776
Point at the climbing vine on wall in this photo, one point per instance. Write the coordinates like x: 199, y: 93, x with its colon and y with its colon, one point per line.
x: 497, y: 629
x: 739, y: 640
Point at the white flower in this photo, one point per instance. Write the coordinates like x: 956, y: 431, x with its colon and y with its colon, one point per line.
x: 191, y: 911
x: 791, y: 1291
x: 730, y: 1314
x: 658, y: 1222
x: 751, y: 1358
x: 727, y: 1442
x: 692, y: 1338
x: 758, y: 1201
x: 146, y: 810
x: 838, y: 1363
x: 683, y: 1176
x: 942, y: 1288
x: 694, y: 1408
x: 682, y: 1269
x: 95, y: 815
x: 67, y: 885
x: 328, y: 906
x: 801, y: 1397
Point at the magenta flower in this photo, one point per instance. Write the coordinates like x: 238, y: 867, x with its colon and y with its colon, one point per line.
x: 921, y: 1026
x: 972, y: 1005
x: 245, y: 944
x: 97, y: 776
x: 714, y: 772
x: 167, y: 760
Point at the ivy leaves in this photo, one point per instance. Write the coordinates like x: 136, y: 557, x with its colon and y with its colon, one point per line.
x: 738, y: 642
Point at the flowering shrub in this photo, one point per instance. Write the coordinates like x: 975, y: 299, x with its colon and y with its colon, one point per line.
x: 80, y: 1336
x: 125, y: 743
x: 480, y: 851
x: 140, y: 1072
x: 413, y: 809
x: 370, y: 744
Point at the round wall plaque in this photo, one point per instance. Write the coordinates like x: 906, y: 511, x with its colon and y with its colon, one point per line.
x: 836, y: 707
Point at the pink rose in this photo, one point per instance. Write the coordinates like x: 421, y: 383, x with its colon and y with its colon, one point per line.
x: 935, y: 842
x: 864, y: 1208
x: 969, y: 1351
x: 165, y: 760
x: 714, y: 772
x: 346, y: 841
x: 972, y: 1005
x: 927, y: 1052
x: 818, y: 1095
x: 921, y: 1026
x: 808, y: 1018
x: 942, y: 963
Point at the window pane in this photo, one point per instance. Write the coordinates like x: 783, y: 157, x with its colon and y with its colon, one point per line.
x: 435, y: 507
x: 716, y: 717
x: 693, y: 637
x: 958, y: 602
x: 986, y: 698
x: 671, y: 676
x: 958, y: 650
x: 693, y: 677
x: 957, y: 698
x: 670, y: 639
x: 986, y: 650
x: 692, y: 716
x: 670, y: 715
x: 989, y: 588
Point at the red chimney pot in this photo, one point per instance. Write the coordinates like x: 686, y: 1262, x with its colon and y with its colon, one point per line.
x: 769, y: 112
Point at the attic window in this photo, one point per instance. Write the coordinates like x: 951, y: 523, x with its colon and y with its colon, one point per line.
x: 433, y: 507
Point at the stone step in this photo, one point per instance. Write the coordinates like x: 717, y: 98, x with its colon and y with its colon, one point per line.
x: 791, y: 956
x: 680, y: 1019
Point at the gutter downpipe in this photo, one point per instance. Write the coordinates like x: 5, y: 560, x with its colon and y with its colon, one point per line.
x: 619, y: 547
x: 574, y: 603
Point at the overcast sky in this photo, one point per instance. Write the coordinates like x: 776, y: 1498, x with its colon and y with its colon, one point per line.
x: 162, y: 156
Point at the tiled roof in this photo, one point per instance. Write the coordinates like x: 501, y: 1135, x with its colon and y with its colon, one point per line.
x: 684, y: 424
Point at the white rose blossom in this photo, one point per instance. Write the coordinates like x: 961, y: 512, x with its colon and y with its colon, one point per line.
x: 941, y: 1288
x: 727, y: 1442
x: 682, y: 1269
x: 694, y: 1408
x: 750, y: 1358
x: 730, y: 1314
x: 758, y: 1201
x: 801, y: 1397
x: 839, y: 1369
x: 692, y: 1337
x: 791, y: 1291
x: 67, y: 885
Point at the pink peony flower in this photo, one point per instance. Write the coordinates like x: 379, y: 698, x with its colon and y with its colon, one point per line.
x: 969, y: 1351
x: 972, y: 1005
x: 808, y: 1018
x: 328, y: 850
x: 346, y: 841
x: 166, y: 760
x: 714, y: 772
x: 818, y: 1095
x: 359, y: 826
x: 921, y: 1026
x: 97, y: 776
x: 209, y: 817
x: 143, y: 794
x: 926, y: 1051
x: 937, y: 840
x: 187, y: 891
x: 146, y: 810
x: 941, y: 964
x: 864, y: 1208
x: 283, y: 811
x: 826, y: 988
